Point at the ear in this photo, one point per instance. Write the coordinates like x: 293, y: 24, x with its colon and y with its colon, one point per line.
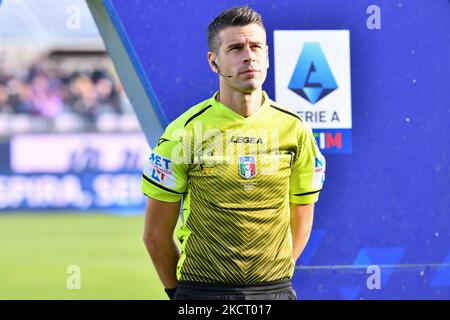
x: 267, y: 57
x: 212, y: 57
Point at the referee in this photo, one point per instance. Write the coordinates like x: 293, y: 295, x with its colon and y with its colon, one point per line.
x: 246, y: 173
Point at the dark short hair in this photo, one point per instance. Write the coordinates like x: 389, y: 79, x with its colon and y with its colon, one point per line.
x: 233, y: 17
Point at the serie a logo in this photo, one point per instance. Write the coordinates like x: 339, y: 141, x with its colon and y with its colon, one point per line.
x: 312, y: 78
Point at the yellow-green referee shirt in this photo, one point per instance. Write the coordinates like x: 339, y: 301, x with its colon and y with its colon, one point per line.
x: 236, y: 177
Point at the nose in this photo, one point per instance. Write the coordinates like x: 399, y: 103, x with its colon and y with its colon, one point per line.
x: 248, y: 55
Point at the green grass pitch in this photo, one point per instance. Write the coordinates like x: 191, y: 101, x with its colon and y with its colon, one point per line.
x: 37, y: 249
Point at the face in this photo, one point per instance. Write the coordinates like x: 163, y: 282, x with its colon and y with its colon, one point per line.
x: 242, y: 53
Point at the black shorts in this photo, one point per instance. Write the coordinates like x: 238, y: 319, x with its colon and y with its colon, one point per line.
x: 264, y: 291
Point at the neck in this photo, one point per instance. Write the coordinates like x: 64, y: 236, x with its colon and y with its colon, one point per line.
x: 244, y: 104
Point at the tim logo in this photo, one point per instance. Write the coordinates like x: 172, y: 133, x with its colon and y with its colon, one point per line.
x: 334, y: 140
x: 312, y: 78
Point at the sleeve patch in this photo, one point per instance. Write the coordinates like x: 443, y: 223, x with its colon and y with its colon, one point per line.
x: 319, y: 172
x: 160, y: 170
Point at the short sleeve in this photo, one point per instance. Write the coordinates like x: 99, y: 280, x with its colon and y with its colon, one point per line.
x: 164, y: 175
x: 308, y: 171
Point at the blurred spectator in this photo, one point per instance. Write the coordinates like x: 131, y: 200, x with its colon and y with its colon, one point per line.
x: 47, y: 90
x: 5, y: 106
x: 46, y: 97
x: 21, y: 96
x: 107, y: 97
x: 85, y: 96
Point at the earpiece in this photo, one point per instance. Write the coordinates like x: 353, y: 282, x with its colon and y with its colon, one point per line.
x: 218, y: 70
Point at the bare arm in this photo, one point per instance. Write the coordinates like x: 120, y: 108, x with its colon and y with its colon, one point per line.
x: 160, y: 221
x: 301, y: 224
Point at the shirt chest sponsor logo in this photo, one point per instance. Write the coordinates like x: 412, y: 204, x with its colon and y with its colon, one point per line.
x: 253, y: 140
x: 247, y: 166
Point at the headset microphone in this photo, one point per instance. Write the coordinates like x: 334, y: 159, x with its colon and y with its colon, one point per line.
x: 218, y: 71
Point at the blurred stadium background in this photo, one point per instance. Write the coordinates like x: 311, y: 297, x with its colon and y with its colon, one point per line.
x: 71, y: 151
x: 72, y: 147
